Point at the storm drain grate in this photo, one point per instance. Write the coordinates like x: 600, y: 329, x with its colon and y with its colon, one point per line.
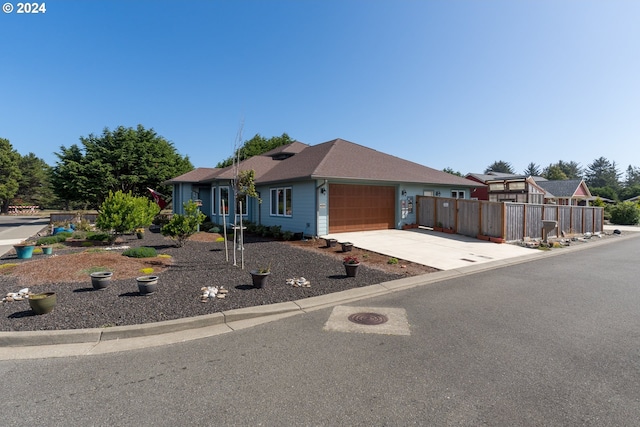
x: 368, y: 318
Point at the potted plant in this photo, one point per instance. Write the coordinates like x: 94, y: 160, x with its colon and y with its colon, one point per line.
x: 259, y: 276
x: 147, y: 284
x: 100, y: 279
x: 42, y: 303
x: 351, y: 264
x: 47, y: 249
x: 24, y: 250
x: 331, y: 243
x: 139, y: 233
x: 346, y: 246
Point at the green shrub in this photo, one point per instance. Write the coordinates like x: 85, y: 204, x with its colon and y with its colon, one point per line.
x: 206, y: 226
x: 48, y: 240
x: 287, y: 235
x: 392, y: 261
x: 98, y: 237
x: 181, y: 227
x: 625, y: 213
x: 123, y: 212
x: 141, y: 252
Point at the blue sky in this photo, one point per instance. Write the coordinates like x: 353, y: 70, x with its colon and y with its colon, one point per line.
x: 455, y: 84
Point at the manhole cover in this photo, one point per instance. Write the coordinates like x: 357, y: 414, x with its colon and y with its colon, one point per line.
x: 368, y: 318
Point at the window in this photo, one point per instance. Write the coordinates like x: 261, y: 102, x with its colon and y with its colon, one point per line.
x: 496, y: 186
x: 243, y: 200
x: 224, y: 197
x: 516, y: 186
x: 281, y: 202
x: 457, y: 194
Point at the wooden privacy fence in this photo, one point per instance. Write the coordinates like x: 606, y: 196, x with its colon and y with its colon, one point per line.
x: 506, y: 220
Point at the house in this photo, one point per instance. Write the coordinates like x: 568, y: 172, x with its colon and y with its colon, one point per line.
x: 332, y: 187
x: 505, y: 187
x: 566, y: 192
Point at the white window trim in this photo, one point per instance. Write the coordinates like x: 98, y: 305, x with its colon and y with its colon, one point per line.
x: 226, y: 202
x: 284, y: 204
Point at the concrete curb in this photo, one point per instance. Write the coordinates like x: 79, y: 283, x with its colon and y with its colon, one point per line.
x: 120, y: 338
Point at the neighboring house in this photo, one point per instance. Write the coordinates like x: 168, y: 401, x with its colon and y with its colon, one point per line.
x: 566, y: 192
x: 332, y: 187
x: 505, y: 187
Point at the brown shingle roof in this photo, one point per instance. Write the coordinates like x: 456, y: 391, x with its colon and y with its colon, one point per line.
x: 336, y: 159
x: 340, y: 159
x: 196, y: 175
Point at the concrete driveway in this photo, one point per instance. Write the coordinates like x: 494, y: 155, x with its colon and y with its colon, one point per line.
x: 435, y: 249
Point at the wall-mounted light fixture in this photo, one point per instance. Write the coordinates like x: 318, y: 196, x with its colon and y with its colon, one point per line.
x: 323, y: 190
x: 404, y: 192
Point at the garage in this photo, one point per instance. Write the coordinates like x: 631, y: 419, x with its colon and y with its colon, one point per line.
x: 361, y: 207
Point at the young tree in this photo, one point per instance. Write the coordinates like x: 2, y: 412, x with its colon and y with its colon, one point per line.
x: 500, y: 166
x: 181, y: 227
x: 10, y: 174
x: 122, y: 212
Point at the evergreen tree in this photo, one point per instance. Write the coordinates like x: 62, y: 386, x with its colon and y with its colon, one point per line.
x: 532, y: 170
x: 500, y: 166
x: 603, y: 173
x: 125, y: 159
x: 256, y: 146
x: 10, y: 174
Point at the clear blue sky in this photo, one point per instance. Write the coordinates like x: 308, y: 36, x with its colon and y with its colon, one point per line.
x: 455, y: 84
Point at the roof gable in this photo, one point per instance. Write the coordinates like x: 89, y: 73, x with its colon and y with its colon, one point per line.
x: 566, y: 188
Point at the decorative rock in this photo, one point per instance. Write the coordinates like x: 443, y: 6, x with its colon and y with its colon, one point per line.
x: 210, y: 292
x: 299, y: 282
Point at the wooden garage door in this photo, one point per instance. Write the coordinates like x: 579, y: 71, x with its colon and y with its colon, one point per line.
x: 361, y: 207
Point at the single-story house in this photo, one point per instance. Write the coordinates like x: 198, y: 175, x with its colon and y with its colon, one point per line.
x: 566, y: 192
x: 505, y: 187
x: 332, y: 187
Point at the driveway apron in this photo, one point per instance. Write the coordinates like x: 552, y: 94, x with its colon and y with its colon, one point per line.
x: 435, y: 249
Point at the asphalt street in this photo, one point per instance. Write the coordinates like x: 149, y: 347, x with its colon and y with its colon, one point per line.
x: 555, y: 341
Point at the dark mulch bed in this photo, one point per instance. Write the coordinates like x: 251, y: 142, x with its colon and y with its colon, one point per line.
x: 195, y: 265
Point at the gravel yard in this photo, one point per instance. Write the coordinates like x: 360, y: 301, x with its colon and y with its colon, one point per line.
x: 201, y: 262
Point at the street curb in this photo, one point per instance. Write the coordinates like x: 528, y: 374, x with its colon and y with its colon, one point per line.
x: 244, y: 316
